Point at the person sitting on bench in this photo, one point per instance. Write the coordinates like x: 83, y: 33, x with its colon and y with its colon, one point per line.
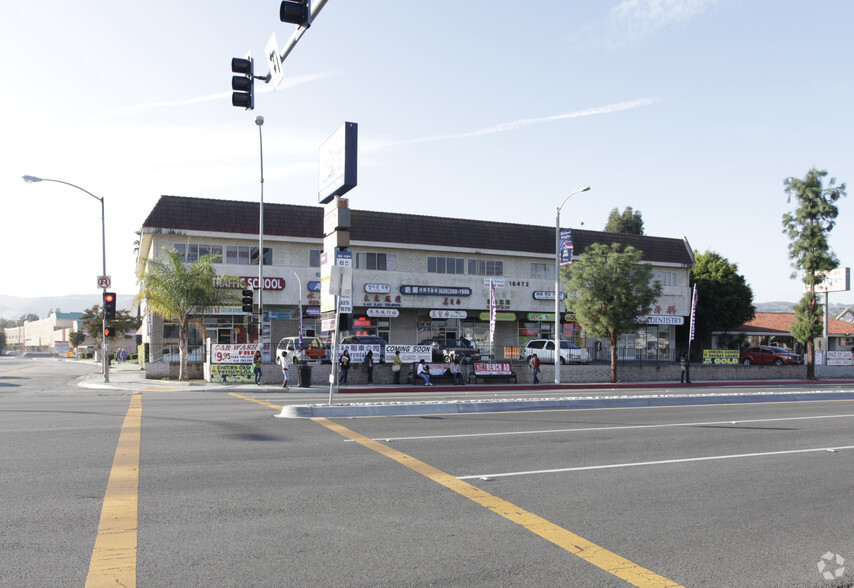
x: 423, y: 372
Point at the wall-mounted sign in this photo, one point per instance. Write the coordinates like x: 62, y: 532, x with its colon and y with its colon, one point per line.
x: 312, y: 311
x: 377, y: 288
x: 337, y: 163
x: 547, y: 295
x: 435, y: 291
x: 654, y: 319
x: 494, y: 282
x: 281, y: 315
x: 499, y: 316
x: 448, y: 314
x: 314, y: 286
x: 838, y: 280
x: 544, y: 317
x: 383, y: 312
x: 252, y: 282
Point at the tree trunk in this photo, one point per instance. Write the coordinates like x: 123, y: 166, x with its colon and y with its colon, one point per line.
x: 811, y: 359
x: 613, y: 357
x: 183, y: 344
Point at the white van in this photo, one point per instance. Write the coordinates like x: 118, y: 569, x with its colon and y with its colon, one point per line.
x: 313, y: 350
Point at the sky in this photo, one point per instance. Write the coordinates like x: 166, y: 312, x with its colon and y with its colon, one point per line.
x: 693, y: 112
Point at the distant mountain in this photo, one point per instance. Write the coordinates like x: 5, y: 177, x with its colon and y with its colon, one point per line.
x: 13, y: 307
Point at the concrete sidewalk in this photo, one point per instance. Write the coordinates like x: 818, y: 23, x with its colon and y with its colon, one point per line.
x: 129, y: 377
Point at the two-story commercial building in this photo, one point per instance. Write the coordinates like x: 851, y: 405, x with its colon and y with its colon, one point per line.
x: 414, y: 277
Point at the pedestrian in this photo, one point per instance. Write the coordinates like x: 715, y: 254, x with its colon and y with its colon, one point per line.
x: 256, y: 367
x: 535, y: 368
x: 283, y: 361
x: 684, y: 368
x: 344, y: 362
x: 395, y: 367
x: 456, y: 373
x: 423, y: 372
x: 369, y: 366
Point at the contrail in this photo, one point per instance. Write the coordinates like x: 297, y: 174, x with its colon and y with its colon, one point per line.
x: 260, y: 87
x: 526, y: 122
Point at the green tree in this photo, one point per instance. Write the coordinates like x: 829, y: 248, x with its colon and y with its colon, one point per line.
x: 123, y: 324
x: 29, y: 318
x: 724, y: 301
x: 76, y: 338
x: 808, y: 227
x: 610, y: 289
x: 181, y: 292
x: 2, y: 340
x: 630, y: 222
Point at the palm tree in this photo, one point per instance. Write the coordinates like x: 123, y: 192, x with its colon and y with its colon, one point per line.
x: 181, y: 292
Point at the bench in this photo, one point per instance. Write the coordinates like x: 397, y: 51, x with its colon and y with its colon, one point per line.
x: 491, y: 371
x: 437, y: 371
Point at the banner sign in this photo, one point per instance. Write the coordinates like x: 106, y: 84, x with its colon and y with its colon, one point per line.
x: 358, y: 352
x: 448, y: 314
x: 233, y: 373
x: 435, y: 291
x: 565, y: 247
x: 410, y: 353
x: 239, y: 353
x: 839, y: 358
x: 383, y: 312
x: 693, y: 312
x: 720, y: 356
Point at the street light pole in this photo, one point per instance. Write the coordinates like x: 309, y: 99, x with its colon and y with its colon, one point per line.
x: 259, y: 120
x: 33, y: 179
x: 557, y: 282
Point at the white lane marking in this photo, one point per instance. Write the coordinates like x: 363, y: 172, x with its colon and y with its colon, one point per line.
x: 650, y: 463
x: 614, y: 428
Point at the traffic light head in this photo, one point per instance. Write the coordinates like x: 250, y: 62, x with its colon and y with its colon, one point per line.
x: 297, y: 12
x: 247, y: 300
x: 108, y: 331
x: 110, y: 306
x: 243, y: 85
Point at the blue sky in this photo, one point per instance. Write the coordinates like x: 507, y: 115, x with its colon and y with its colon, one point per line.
x: 691, y: 111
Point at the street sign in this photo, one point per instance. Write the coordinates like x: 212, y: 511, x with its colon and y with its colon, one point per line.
x: 104, y: 282
x: 277, y: 76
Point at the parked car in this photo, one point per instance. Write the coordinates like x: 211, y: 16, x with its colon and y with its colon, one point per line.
x: 765, y: 354
x: 313, y: 349
x: 367, y: 340
x: 443, y: 349
x: 545, y: 350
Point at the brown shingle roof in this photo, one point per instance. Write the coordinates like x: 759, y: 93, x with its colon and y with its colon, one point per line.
x: 290, y: 220
x: 781, y: 322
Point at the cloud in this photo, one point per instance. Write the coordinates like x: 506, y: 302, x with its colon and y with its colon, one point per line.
x: 522, y: 123
x: 633, y: 20
x: 260, y: 88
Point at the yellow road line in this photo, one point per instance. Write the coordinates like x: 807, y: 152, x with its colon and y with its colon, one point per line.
x: 255, y: 400
x: 113, y: 560
x: 598, y: 556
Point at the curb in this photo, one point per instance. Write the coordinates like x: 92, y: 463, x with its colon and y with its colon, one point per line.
x: 484, y: 406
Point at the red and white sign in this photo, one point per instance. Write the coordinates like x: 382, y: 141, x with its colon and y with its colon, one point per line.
x: 242, y: 353
x: 104, y: 281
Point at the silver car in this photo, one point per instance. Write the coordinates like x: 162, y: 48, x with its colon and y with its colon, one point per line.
x: 545, y: 351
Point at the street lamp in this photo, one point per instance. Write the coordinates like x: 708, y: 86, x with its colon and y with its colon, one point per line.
x: 259, y: 120
x: 33, y: 179
x: 557, y: 282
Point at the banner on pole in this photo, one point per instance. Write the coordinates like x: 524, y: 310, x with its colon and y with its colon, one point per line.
x: 693, y: 312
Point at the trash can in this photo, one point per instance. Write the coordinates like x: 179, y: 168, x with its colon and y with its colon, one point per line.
x: 304, y: 376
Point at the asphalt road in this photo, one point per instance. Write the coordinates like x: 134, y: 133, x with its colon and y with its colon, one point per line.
x: 228, y: 495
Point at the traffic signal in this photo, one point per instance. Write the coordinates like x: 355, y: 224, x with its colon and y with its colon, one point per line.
x: 243, y: 85
x: 110, y: 306
x: 297, y: 12
x: 247, y: 300
x: 108, y: 332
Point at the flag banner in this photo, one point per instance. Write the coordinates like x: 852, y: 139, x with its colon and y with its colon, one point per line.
x: 566, y: 250
x: 693, y: 312
x: 491, y: 314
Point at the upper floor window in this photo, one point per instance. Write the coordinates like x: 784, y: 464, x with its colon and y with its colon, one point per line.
x: 376, y: 261
x: 243, y: 255
x: 191, y: 252
x: 445, y: 265
x: 664, y: 278
x: 543, y: 270
x: 314, y: 257
x: 482, y: 267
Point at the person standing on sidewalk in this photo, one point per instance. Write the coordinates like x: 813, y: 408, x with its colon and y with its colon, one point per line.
x: 684, y: 368
x: 535, y: 368
x: 344, y: 362
x: 396, y: 367
x: 256, y: 367
x: 283, y: 361
x: 369, y: 366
